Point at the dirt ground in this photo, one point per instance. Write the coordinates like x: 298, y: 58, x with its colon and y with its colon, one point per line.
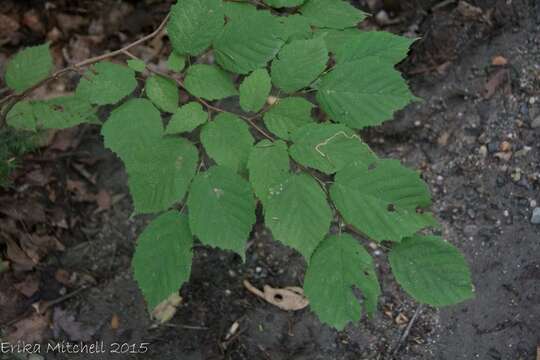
x: 475, y: 138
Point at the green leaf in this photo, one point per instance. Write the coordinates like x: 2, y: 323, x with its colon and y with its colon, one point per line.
x: 299, y: 64
x: 338, y: 264
x: 159, y: 168
x: 228, y: 141
x: 194, y: 24
x: 162, y: 259
x: 249, y: 43
x: 136, y: 65
x: 384, y: 45
x: 254, y: 90
x: 58, y: 113
x: 381, y: 199
x: 28, y: 67
x: 21, y: 116
x: 106, y: 83
x: 63, y: 112
x: 176, y: 62
x: 238, y: 10
x: 287, y: 115
x: 221, y: 209
x: 268, y: 166
x: 335, y: 39
x: 328, y: 147
x: 284, y: 3
x: 298, y: 214
x: 187, y: 118
x: 363, y: 93
x: 431, y: 270
x: 295, y: 27
x: 163, y: 93
x: 334, y: 14
x: 209, y: 82
x: 160, y: 176
x: 132, y: 128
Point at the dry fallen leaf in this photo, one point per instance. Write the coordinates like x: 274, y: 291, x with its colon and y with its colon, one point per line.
x: 17, y: 256
x: 401, y: 319
x: 103, y: 200
x: 232, y: 330
x: 289, y: 298
x: 31, y: 330
x: 497, y: 80
x: 115, y: 322
x: 7, y: 26
x: 37, y: 247
x: 499, y: 61
x: 29, y: 286
x: 167, y: 308
x: 469, y: 11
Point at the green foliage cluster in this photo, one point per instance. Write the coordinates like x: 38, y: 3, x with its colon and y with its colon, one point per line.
x: 308, y: 174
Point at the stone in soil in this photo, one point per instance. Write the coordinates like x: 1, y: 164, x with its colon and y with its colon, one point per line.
x: 535, y: 218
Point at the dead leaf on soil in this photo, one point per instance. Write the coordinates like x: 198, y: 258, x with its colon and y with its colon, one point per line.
x: 39, y: 177
x: 17, y: 255
x: 500, y: 78
x: 469, y: 11
x: 401, y: 319
x: 289, y: 298
x: 32, y: 20
x: 31, y: 330
x: 115, y: 322
x: 74, y: 279
x: 37, y: 247
x: 29, y: 286
x: 103, y: 200
x: 79, y: 190
x: 232, y: 330
x: 499, y: 61
x: 65, y: 321
x: 23, y: 210
x: 166, y: 309
x: 63, y: 140
x: 8, y: 27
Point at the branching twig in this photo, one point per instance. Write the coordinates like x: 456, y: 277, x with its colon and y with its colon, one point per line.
x: 209, y: 106
x: 9, y: 101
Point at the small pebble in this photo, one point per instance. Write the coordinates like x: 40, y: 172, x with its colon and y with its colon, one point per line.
x: 535, y: 218
x: 536, y: 122
x: 483, y: 151
x: 505, y: 146
x: 271, y: 100
x: 470, y: 230
x: 382, y: 18
x: 258, y: 269
x: 516, y: 175
x: 533, y: 203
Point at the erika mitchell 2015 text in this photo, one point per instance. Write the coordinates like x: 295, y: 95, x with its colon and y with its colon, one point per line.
x: 65, y: 347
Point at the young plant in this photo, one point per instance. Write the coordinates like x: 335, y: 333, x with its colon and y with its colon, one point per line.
x: 306, y: 173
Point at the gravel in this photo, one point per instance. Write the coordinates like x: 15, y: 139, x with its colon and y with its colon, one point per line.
x: 535, y: 219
